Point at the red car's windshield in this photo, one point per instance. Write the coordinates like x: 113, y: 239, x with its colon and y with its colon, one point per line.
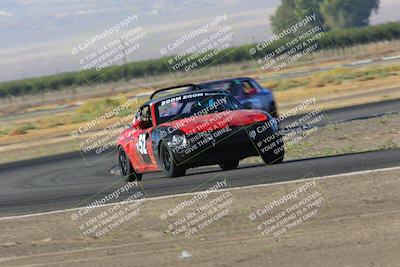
x: 194, y: 104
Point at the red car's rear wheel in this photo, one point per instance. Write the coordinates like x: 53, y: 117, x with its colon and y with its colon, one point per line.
x: 128, y: 174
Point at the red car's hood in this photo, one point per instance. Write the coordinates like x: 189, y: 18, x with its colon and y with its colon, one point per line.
x: 217, y: 121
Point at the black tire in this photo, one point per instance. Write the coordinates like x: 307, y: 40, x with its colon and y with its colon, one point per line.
x: 229, y: 165
x: 128, y: 173
x: 168, y: 163
x: 274, y: 158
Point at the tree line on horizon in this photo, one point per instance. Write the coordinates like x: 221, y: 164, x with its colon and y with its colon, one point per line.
x: 333, y: 14
x: 137, y: 69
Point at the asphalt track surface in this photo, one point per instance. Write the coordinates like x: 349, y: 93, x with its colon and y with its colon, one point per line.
x: 66, y: 181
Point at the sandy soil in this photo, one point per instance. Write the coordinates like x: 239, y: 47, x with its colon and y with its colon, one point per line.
x: 356, y: 222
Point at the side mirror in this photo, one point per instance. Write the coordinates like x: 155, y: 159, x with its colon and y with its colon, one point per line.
x: 138, y: 124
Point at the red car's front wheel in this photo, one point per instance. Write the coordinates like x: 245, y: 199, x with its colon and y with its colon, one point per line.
x: 171, y: 169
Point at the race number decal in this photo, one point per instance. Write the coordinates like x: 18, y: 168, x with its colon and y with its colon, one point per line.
x: 142, y: 144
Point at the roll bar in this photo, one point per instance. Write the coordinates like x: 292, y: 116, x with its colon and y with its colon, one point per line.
x: 195, y: 86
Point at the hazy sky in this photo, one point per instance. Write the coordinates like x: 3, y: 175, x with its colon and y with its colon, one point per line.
x: 37, y: 35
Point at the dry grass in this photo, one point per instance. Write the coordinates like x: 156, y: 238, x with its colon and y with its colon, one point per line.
x: 336, y: 76
x: 345, y: 94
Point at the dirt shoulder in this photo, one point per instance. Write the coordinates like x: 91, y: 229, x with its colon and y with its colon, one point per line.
x: 348, y: 220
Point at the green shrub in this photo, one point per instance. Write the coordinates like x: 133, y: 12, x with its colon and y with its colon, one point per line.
x: 288, y: 84
x: 22, y: 129
x: 98, y: 107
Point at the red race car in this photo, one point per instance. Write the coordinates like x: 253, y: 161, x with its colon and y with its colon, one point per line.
x: 195, y: 128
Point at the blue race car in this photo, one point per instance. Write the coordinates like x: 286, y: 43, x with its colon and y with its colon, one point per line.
x: 247, y: 91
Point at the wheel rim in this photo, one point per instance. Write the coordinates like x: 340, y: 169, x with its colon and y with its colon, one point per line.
x: 166, y: 159
x: 123, y: 163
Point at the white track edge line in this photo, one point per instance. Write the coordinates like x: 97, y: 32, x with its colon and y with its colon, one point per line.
x: 197, y: 192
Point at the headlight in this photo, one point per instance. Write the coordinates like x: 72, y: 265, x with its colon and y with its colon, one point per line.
x: 178, y: 140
